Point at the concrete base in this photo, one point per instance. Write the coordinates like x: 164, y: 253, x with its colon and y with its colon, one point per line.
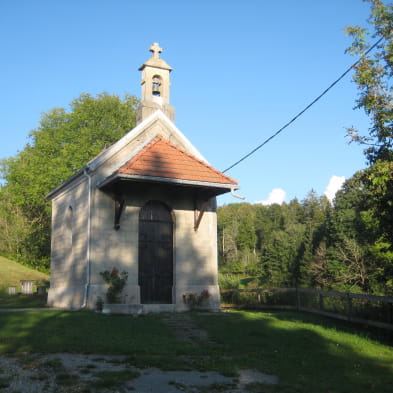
x: 70, y: 297
x: 137, y: 309
x: 157, y: 308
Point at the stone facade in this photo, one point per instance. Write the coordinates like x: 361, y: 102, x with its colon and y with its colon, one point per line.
x: 85, y: 240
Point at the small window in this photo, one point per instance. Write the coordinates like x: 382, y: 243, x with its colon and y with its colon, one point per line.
x: 69, y: 226
x: 69, y: 235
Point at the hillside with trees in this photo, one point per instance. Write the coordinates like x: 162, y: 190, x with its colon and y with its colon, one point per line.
x: 310, y: 243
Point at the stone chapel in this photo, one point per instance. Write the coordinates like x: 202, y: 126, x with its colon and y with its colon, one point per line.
x: 147, y: 206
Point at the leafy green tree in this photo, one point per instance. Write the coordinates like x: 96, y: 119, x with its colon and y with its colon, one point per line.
x: 227, y: 226
x: 379, y: 181
x: 237, y: 237
x: 373, y: 76
x: 313, y: 220
x: 14, y: 225
x: 381, y: 270
x: 246, y: 238
x: 275, y: 259
x: 319, y: 269
x: 63, y: 143
x: 359, y: 255
x: 292, y: 212
x: 353, y: 211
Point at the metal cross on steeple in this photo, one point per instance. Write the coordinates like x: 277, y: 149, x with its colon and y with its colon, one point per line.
x: 155, y: 48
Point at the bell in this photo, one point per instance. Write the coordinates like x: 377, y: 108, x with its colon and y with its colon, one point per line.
x: 156, y: 89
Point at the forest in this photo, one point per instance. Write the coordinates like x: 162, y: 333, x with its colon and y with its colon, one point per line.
x: 312, y: 243
x: 347, y: 245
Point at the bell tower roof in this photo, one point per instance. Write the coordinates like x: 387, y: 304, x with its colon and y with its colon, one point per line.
x: 155, y: 60
x: 155, y: 86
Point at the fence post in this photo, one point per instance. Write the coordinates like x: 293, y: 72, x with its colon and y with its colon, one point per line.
x: 297, y: 299
x: 349, y: 306
x: 320, y: 302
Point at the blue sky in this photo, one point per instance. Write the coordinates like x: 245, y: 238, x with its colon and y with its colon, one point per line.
x: 241, y: 70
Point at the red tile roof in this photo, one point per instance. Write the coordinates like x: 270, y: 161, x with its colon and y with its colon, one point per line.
x: 160, y: 158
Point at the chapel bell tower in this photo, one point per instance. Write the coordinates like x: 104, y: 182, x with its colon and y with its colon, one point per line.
x: 155, y: 86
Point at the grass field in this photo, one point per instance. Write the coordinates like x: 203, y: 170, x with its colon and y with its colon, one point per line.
x: 307, y: 353
x: 11, y: 273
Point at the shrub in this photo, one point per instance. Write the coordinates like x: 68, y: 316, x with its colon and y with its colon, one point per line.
x: 116, y: 281
x: 196, y: 299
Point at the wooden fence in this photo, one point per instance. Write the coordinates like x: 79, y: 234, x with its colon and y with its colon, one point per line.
x: 369, y: 310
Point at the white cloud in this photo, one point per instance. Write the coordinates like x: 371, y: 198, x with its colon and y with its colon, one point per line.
x: 277, y: 195
x: 335, y: 183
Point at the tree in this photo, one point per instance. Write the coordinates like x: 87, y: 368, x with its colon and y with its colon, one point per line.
x: 227, y: 226
x: 379, y: 181
x: 358, y: 253
x: 63, y: 143
x: 353, y: 255
x: 246, y: 238
x: 13, y: 224
x: 373, y: 76
x: 276, y: 259
x: 353, y: 211
x: 313, y: 220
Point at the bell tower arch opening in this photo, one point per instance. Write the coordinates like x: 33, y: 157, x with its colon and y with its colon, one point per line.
x: 156, y: 86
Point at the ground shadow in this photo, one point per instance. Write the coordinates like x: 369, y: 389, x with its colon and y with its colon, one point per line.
x: 307, y: 357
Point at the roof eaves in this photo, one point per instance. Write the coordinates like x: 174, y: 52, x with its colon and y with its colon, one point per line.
x: 73, y: 177
x: 124, y: 176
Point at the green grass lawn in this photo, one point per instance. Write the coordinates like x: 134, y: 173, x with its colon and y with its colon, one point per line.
x: 307, y: 353
x: 22, y: 301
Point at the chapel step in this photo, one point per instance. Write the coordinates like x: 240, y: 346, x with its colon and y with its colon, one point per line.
x: 137, y: 309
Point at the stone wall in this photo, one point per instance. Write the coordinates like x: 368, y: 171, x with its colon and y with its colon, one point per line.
x: 195, y: 252
x: 69, y: 246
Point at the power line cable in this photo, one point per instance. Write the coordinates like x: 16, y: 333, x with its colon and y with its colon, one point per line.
x: 305, y: 109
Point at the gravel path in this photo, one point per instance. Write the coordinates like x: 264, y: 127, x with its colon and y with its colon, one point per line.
x: 68, y: 373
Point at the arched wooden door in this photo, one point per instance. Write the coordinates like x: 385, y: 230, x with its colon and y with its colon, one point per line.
x: 155, y: 274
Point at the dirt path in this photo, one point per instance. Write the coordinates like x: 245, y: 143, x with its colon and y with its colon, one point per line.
x: 185, y: 329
